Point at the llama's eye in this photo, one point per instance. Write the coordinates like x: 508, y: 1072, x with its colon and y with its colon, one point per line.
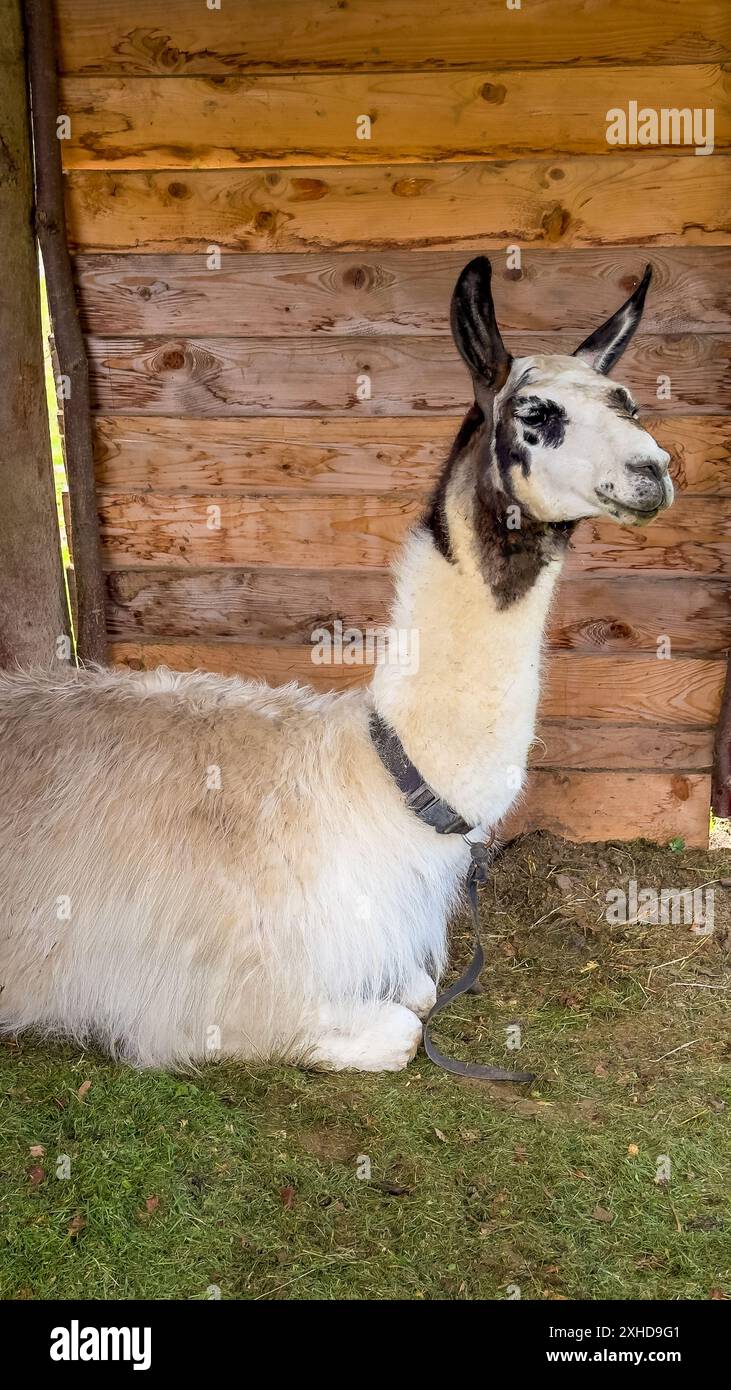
x: 542, y: 421
x: 530, y: 421
x: 530, y: 415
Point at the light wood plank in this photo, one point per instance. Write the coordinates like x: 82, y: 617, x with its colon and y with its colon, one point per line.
x: 294, y: 531
x: 621, y: 615
x: 137, y: 453
x: 310, y: 531
x: 394, y: 294
x: 693, y: 536
x: 628, y: 200
x: 274, y: 664
x: 284, y: 606
x: 590, y: 806
x: 630, y: 689
x: 447, y: 116
x: 303, y: 376
x: 260, y: 606
x: 566, y: 743
x: 159, y: 37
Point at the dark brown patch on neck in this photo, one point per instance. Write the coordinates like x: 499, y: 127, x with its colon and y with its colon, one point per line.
x: 513, y: 548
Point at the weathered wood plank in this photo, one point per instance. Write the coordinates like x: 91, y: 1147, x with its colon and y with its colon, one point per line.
x: 325, y: 455
x: 619, y: 614
x: 158, y: 37
x: 329, y: 455
x: 721, y: 779
x: 272, y: 663
x: 615, y: 806
x: 615, y: 747
x: 304, y: 119
x: 284, y: 606
x: 292, y: 531
x: 306, y: 376
x: 632, y: 689
x: 628, y: 689
x: 395, y: 294
x: 344, y: 532
x: 625, y: 201
x: 693, y: 537
x: 263, y: 606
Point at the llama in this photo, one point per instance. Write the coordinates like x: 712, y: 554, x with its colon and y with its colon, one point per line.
x: 193, y: 866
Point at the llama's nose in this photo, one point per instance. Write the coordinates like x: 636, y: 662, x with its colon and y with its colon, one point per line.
x: 651, y: 468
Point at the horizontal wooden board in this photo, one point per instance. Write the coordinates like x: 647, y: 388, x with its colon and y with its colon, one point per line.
x: 310, y: 531
x: 405, y: 376
x: 294, y: 531
x: 415, y: 117
x: 254, y: 605
x: 692, y: 537
x: 629, y: 689
x: 650, y: 199
x: 185, y: 37
x: 619, y: 614
x: 284, y: 606
x: 586, y: 806
x: 619, y: 690
x: 395, y: 294
x: 587, y: 745
x: 138, y: 453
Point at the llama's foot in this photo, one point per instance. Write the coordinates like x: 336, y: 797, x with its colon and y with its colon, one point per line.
x: 386, y: 1040
x: 420, y: 994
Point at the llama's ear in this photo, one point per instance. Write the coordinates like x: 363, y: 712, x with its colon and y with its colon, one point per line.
x: 475, y: 330
x: 605, y: 345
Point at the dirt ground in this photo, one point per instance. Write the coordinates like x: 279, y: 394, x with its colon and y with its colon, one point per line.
x: 548, y: 939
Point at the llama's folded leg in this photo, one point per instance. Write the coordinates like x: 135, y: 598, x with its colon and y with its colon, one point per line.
x: 377, y: 1037
x: 419, y: 994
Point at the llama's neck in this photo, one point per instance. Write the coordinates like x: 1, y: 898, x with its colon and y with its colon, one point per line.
x: 465, y: 709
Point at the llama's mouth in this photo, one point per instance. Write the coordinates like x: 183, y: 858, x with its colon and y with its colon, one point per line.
x: 625, y: 511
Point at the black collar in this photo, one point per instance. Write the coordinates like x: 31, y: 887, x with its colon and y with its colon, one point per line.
x: 420, y: 797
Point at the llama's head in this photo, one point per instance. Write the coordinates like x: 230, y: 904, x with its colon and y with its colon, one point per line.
x: 558, y: 438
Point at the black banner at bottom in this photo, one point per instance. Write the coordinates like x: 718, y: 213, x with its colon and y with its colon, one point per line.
x: 153, y: 1339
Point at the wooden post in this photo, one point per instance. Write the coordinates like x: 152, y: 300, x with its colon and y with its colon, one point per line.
x: 91, y: 640
x: 721, y: 796
x: 33, y: 609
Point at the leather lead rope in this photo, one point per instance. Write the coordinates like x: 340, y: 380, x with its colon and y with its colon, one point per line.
x: 477, y: 874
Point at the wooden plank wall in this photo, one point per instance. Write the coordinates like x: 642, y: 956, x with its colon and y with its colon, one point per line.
x: 235, y: 387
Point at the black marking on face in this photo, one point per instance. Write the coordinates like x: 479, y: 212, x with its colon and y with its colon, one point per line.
x: 619, y: 400
x: 544, y: 420
x: 510, y: 452
x: 435, y: 520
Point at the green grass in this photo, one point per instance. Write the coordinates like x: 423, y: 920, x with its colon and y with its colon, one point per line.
x: 247, y: 1179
